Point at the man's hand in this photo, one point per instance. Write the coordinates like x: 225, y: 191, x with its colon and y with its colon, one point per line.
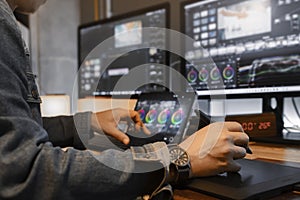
x: 107, y: 121
x: 214, y: 148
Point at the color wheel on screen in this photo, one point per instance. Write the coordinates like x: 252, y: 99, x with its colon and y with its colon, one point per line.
x: 228, y: 72
x: 151, y: 116
x: 177, y: 117
x: 192, y: 76
x: 203, y: 75
x: 163, y: 116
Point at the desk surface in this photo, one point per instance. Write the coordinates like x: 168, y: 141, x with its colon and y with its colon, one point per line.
x: 277, y: 153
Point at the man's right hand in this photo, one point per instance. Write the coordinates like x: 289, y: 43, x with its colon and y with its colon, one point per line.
x: 213, y: 149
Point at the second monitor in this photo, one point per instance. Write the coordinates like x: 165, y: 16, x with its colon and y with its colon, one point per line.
x: 129, y: 47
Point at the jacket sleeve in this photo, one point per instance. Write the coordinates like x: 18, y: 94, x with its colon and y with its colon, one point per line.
x: 31, y: 168
x: 62, y: 131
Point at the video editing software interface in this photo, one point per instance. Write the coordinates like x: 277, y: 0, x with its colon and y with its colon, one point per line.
x: 162, y: 117
x: 165, y: 114
x: 255, y: 46
x: 92, y: 72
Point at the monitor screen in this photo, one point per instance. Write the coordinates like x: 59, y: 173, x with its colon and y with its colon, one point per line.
x: 100, y: 72
x: 242, y: 46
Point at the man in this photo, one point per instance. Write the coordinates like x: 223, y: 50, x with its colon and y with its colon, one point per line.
x: 33, y: 165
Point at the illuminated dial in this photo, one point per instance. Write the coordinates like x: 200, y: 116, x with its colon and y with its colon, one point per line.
x: 163, y: 116
x: 192, y: 76
x: 203, y: 75
x: 228, y: 72
x: 151, y: 116
x: 177, y: 117
x: 215, y: 74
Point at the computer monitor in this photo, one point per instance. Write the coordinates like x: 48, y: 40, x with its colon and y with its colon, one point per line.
x: 97, y: 76
x: 243, y: 47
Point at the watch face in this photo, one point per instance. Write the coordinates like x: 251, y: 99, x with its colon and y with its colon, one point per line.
x: 179, y: 156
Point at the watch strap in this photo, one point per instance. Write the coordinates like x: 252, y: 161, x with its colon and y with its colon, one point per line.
x: 179, y: 176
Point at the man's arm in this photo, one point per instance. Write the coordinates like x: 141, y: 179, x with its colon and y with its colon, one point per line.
x: 31, y: 168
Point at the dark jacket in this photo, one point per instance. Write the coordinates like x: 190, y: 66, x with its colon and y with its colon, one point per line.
x: 32, y: 163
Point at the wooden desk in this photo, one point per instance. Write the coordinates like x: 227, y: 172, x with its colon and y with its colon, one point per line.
x: 283, y: 154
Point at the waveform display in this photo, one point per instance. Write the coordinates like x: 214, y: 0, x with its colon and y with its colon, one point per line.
x: 271, y: 71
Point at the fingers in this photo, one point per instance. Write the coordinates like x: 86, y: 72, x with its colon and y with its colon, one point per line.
x: 239, y: 152
x: 146, y: 130
x: 234, y: 127
x: 240, y: 141
x: 240, y: 138
x: 229, y: 164
x: 138, y: 122
x: 135, y: 116
x: 119, y: 135
x: 233, y: 167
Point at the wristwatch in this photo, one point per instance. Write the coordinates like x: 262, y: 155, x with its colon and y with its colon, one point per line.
x: 179, y: 169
